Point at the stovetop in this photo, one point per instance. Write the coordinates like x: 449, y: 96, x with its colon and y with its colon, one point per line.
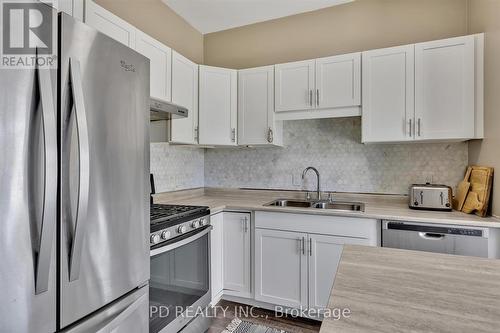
x: 162, y: 216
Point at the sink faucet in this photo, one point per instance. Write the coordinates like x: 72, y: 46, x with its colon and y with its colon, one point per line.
x: 317, y: 175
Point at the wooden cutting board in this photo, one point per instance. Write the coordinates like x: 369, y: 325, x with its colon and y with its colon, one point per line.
x: 462, y: 191
x: 481, y: 181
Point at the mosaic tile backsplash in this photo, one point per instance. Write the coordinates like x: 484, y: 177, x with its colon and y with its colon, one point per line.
x: 176, y: 167
x: 334, y: 147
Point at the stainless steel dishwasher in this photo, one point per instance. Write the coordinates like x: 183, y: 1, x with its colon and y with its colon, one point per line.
x: 449, y: 239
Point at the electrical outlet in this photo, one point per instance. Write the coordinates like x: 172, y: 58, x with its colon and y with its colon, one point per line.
x: 296, y: 180
x: 428, y: 177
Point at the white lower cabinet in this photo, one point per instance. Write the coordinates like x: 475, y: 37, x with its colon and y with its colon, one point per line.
x: 324, y: 258
x: 237, y: 255
x: 281, y: 267
x: 296, y: 269
x: 296, y: 265
x: 217, y: 255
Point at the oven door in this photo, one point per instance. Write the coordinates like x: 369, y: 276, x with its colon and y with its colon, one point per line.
x: 180, y: 281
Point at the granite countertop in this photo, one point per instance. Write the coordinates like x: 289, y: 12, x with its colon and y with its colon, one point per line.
x: 389, y: 290
x: 384, y: 207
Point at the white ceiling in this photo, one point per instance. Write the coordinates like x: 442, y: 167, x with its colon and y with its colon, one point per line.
x: 216, y: 15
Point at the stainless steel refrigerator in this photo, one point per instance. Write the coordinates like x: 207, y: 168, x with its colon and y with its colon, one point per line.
x: 74, y: 189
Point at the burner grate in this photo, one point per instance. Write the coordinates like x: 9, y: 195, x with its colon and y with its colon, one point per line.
x: 161, y: 213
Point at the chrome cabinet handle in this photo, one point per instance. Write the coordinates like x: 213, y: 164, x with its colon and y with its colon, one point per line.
x: 419, y: 127
x: 303, y: 245
x: 411, y: 123
x: 310, y: 97
x: 317, y: 97
x: 270, y: 135
x: 50, y: 182
x: 245, y: 224
x: 196, y: 133
x: 233, y: 134
x: 84, y: 177
x: 310, y: 247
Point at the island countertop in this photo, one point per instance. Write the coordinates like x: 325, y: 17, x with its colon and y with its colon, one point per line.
x: 389, y: 290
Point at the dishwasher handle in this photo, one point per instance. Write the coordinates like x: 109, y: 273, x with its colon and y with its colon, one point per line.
x: 431, y: 236
x: 436, y: 231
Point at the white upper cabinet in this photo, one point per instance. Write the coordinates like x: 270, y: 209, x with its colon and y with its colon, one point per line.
x: 256, y: 119
x: 109, y: 24
x: 218, y: 106
x: 294, y: 86
x: 388, y: 94
x: 160, y: 57
x: 444, y: 89
x: 338, y: 81
x: 429, y: 91
x: 185, y: 93
x: 70, y: 7
x: 319, y: 88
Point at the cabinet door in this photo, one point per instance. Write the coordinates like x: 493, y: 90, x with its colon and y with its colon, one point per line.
x: 70, y: 7
x: 185, y: 93
x: 216, y: 256
x: 281, y: 267
x: 444, y: 89
x: 109, y: 24
x: 237, y: 253
x: 256, y: 124
x: 294, y: 86
x: 218, y: 106
x: 388, y: 95
x: 160, y: 57
x: 338, y: 81
x: 324, y: 257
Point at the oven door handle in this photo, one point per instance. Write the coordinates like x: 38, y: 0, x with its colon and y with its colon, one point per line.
x: 180, y: 243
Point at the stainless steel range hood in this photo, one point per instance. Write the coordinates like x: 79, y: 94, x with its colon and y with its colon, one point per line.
x: 162, y: 110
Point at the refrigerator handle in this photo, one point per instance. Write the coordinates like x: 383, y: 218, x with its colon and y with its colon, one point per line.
x: 48, y: 223
x: 84, y: 176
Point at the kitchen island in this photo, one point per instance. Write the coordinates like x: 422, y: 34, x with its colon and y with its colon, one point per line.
x: 389, y: 290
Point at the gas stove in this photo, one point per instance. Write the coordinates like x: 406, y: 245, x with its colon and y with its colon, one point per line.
x: 171, y: 221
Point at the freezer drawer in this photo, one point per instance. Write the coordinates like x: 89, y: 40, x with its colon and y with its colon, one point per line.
x: 129, y: 314
x: 459, y: 240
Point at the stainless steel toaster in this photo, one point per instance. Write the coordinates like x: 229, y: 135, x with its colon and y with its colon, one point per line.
x: 430, y: 197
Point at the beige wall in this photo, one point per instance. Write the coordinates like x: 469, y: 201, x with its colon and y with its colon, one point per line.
x: 357, y: 26
x: 160, y: 22
x: 485, y: 17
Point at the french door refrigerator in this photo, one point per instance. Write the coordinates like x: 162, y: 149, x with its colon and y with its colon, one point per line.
x: 74, y: 189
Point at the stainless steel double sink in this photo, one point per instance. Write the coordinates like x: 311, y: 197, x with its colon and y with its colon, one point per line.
x: 321, y: 204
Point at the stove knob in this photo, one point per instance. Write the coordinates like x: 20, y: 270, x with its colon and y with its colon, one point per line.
x: 204, y: 221
x: 154, y: 239
x: 182, y: 229
x: 165, y: 235
x: 195, y: 224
